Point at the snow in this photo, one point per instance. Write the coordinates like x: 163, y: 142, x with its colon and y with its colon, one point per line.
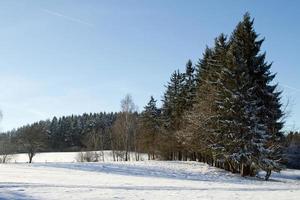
x: 60, y: 157
x: 137, y: 180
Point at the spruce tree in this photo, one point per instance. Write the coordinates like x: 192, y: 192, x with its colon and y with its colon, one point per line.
x: 189, y: 86
x: 172, y: 112
x: 201, y: 120
x: 150, y: 127
x: 248, y: 105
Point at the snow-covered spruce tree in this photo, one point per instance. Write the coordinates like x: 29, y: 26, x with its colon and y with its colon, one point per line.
x: 232, y: 130
x: 187, y: 97
x: 172, y: 110
x: 150, y: 128
x: 249, y: 107
x: 217, y: 139
x: 183, y: 86
x: 201, y: 119
x: 189, y: 86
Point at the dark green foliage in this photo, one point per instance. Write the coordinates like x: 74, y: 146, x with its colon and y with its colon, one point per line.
x: 178, y: 99
x: 189, y: 86
x: 173, y: 101
x: 150, y: 128
x: 70, y: 133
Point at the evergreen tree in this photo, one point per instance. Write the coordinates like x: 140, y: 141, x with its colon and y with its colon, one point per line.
x: 189, y: 86
x: 172, y: 112
x: 53, y: 133
x: 201, y: 120
x: 150, y: 127
x: 248, y: 105
x: 173, y: 102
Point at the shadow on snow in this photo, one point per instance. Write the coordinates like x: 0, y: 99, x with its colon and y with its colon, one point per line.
x: 211, y: 175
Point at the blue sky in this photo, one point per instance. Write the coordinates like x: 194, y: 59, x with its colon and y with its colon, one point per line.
x: 74, y: 56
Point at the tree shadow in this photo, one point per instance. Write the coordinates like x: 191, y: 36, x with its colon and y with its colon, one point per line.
x: 215, y: 175
x: 11, y: 195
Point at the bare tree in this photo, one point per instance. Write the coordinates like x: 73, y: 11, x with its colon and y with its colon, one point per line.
x: 118, y: 138
x: 33, y: 139
x: 128, y: 109
x: 6, y: 148
x: 123, y: 132
x: 94, y: 141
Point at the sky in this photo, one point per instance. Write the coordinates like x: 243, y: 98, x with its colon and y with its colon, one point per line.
x: 64, y: 57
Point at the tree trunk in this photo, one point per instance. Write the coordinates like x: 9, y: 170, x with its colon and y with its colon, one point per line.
x: 242, y: 169
x: 114, y: 155
x: 30, y: 155
x: 247, y: 170
x: 268, y: 174
x: 126, y: 155
x: 179, y: 155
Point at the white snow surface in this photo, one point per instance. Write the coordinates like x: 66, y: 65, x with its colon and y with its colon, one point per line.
x: 62, y: 157
x: 151, y: 180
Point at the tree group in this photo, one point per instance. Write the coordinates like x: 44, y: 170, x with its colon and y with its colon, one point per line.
x: 224, y: 110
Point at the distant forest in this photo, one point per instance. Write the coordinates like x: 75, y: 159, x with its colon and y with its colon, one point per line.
x: 222, y: 110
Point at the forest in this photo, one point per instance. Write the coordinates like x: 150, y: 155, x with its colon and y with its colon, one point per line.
x: 224, y: 110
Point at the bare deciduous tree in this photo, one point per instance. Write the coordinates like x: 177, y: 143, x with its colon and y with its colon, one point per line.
x: 123, y: 133
x: 33, y: 139
x: 6, y: 149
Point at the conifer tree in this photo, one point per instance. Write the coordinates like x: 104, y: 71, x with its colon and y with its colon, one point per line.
x: 150, y: 127
x: 172, y: 110
x: 189, y: 86
x: 248, y: 105
x: 201, y: 120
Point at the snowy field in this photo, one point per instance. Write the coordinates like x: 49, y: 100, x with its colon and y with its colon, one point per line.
x: 62, y: 157
x: 136, y: 180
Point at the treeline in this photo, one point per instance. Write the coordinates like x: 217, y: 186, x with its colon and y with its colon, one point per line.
x: 223, y: 110
x: 292, y: 150
x: 67, y: 133
x: 88, y: 132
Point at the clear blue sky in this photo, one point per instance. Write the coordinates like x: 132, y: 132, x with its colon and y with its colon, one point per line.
x: 63, y: 57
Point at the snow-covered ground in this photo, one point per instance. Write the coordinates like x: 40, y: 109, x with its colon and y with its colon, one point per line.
x: 62, y: 157
x: 138, y: 180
